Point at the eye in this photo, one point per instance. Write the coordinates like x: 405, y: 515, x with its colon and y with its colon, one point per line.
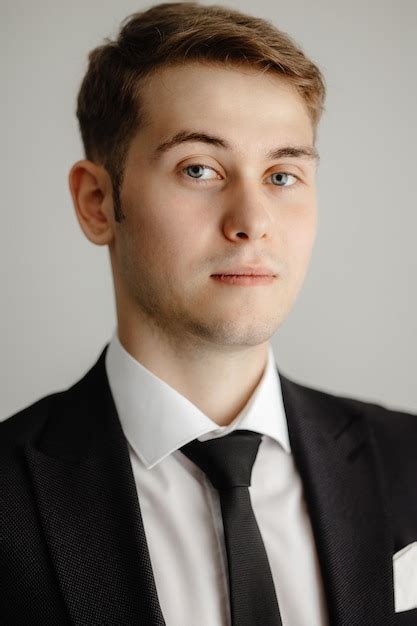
x: 195, y: 170
x: 283, y: 179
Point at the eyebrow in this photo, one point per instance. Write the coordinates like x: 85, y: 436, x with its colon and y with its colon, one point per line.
x: 183, y: 136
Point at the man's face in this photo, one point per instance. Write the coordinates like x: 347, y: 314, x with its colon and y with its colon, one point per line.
x: 200, y: 208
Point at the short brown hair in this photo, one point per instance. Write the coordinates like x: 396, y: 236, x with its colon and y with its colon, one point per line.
x: 108, y: 106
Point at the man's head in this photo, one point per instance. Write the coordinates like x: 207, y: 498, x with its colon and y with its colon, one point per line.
x: 174, y: 211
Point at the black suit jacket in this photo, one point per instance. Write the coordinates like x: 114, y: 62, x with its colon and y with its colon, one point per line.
x: 74, y: 549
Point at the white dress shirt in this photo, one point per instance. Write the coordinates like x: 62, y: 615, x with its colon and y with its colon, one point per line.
x: 181, y: 509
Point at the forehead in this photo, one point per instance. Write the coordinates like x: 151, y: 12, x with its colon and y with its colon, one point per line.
x: 242, y: 103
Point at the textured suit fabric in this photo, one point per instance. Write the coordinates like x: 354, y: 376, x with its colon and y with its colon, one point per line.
x: 73, y: 547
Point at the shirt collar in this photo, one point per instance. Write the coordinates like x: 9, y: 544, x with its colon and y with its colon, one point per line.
x: 157, y: 420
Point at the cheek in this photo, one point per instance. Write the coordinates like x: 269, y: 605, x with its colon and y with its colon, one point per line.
x: 301, y: 234
x: 167, y: 232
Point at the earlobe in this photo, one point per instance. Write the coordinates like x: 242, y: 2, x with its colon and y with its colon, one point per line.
x: 90, y: 188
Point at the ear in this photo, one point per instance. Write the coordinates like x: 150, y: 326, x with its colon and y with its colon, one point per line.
x: 91, y: 191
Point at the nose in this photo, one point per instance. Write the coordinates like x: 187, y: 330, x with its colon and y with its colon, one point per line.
x: 246, y: 212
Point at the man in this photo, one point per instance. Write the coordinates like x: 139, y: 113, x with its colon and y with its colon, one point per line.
x: 127, y: 495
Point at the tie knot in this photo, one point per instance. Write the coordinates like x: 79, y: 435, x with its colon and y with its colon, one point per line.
x: 227, y: 460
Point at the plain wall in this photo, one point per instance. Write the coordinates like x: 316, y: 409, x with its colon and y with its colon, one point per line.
x: 353, y: 328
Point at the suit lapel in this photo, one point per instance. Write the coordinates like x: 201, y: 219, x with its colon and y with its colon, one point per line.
x: 334, y: 451
x: 89, y: 508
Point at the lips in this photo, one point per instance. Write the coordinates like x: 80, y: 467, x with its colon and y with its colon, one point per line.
x: 246, y: 271
x: 244, y: 280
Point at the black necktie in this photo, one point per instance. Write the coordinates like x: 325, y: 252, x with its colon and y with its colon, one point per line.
x: 228, y: 463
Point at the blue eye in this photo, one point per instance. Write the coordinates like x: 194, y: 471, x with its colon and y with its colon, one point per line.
x: 195, y: 170
x: 282, y: 178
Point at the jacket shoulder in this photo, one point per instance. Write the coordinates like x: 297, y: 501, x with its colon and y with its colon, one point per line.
x: 394, y: 425
x: 393, y: 430
x: 25, y: 424
x: 381, y: 417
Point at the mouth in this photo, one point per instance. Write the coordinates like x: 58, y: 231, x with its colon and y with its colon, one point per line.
x: 246, y: 270
x: 244, y: 279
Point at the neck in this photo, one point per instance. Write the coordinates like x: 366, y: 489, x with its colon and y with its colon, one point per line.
x: 218, y: 381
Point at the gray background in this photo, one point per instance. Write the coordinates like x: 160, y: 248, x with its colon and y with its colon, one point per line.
x: 353, y: 328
